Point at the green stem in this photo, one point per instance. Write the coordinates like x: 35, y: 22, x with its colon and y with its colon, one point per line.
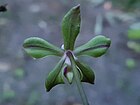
x: 77, y: 79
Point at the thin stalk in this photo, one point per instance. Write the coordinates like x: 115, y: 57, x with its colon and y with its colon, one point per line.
x: 78, y: 81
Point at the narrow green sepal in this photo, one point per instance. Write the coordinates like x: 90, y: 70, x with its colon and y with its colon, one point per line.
x: 87, y: 72
x: 38, y: 48
x: 96, y: 47
x: 55, y: 77
x: 71, y: 27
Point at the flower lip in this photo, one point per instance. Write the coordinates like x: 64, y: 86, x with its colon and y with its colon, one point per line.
x: 68, y: 74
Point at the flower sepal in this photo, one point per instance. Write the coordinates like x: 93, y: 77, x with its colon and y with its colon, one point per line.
x: 55, y: 77
x: 96, y: 47
x: 71, y: 27
x: 39, y: 48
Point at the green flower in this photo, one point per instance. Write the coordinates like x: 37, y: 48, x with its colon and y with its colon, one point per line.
x: 64, y: 69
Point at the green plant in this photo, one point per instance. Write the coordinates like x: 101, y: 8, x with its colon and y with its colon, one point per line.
x: 128, y: 5
x: 130, y: 63
x: 19, y: 73
x: 69, y: 66
x: 8, y: 95
x: 33, y: 98
x: 134, y: 37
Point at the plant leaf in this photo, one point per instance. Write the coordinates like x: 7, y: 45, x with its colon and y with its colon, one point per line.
x: 71, y: 27
x: 134, y: 46
x: 134, y: 34
x: 95, y: 47
x: 38, y: 48
x: 88, y: 74
x: 55, y: 76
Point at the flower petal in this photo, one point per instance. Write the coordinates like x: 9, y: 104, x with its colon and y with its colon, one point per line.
x: 87, y: 72
x: 55, y: 76
x: 38, y: 48
x: 96, y: 47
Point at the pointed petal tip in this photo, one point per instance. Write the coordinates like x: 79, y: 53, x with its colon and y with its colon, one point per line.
x: 109, y: 42
x: 77, y: 7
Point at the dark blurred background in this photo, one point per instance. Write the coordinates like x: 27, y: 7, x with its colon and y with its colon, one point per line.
x: 117, y: 72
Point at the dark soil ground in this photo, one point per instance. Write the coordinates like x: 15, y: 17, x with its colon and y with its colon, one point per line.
x: 22, y: 78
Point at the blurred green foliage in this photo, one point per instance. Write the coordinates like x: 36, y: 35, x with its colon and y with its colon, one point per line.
x: 134, y: 31
x: 8, y: 95
x: 134, y: 36
x: 130, y: 63
x: 33, y: 98
x: 135, y: 46
x: 19, y: 73
x: 127, y: 5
